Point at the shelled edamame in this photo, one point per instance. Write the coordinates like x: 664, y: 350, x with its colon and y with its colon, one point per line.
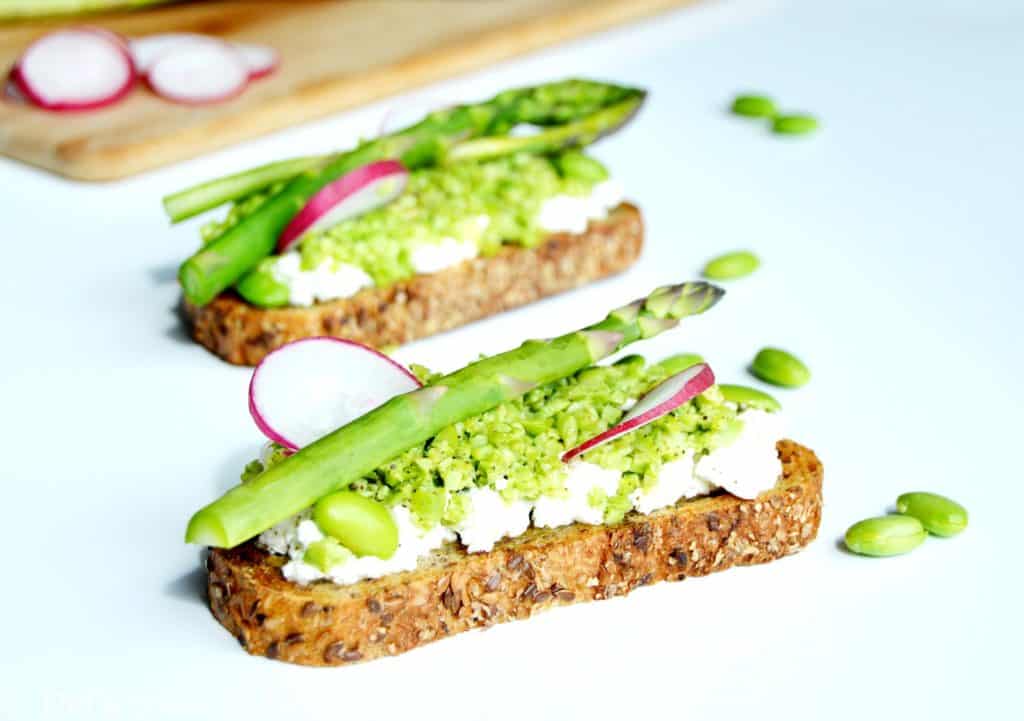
x: 757, y: 106
x: 919, y: 514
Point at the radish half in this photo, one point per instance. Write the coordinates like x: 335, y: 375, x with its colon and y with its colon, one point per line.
x: 361, y: 190
x: 76, y: 69
x: 665, y: 397
x: 262, y: 60
x: 306, y: 389
x: 198, y: 73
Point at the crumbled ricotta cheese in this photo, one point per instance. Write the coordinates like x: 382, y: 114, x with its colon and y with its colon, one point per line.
x: 575, y: 506
x: 675, y: 481
x: 435, y: 257
x: 327, y: 281
x: 491, y: 518
x: 571, y: 214
x: 750, y: 465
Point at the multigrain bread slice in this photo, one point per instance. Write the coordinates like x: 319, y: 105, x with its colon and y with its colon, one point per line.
x: 325, y: 624
x: 427, y: 304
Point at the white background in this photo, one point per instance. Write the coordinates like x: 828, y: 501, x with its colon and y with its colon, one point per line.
x: 892, y: 250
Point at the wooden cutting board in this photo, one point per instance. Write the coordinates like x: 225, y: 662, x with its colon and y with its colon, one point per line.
x: 335, y: 54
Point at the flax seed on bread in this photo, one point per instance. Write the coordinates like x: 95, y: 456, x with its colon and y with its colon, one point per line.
x: 452, y: 591
x: 243, y: 334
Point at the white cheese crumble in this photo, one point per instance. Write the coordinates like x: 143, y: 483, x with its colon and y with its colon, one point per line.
x: 434, y: 257
x: 582, y: 479
x: 491, y: 518
x: 675, y: 481
x: 750, y: 465
x: 327, y: 281
x: 571, y: 214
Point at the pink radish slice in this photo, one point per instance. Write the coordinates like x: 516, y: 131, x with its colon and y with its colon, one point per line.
x: 198, y: 73
x: 147, y: 50
x: 78, y: 69
x: 260, y: 59
x: 306, y: 389
x: 363, y: 189
x: 665, y: 397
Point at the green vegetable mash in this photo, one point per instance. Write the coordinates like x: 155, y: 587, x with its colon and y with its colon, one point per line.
x: 523, y: 440
x: 438, y: 203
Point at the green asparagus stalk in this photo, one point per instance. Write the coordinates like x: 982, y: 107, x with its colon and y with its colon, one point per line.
x: 349, y: 453
x: 19, y: 9
x: 195, y: 200
x: 584, y: 110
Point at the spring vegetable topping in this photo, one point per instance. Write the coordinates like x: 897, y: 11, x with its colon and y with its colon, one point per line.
x: 731, y: 266
x: 746, y: 396
x: 780, y: 368
x: 196, y: 73
x: 794, y: 124
x: 354, y: 193
x: 340, y: 458
x: 571, y: 114
x: 885, y: 536
x: 361, y: 524
x: 664, y: 398
x: 754, y: 106
x: 78, y: 69
x: 304, y: 390
x: 939, y: 515
x: 262, y: 60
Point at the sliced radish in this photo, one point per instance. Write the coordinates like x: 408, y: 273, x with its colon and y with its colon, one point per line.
x: 361, y: 190
x: 197, y: 73
x: 261, y: 60
x: 77, y: 69
x: 147, y: 50
x: 306, y: 389
x: 665, y: 397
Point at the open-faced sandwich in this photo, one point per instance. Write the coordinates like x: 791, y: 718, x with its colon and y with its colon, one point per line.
x: 473, y: 210
x: 525, y: 480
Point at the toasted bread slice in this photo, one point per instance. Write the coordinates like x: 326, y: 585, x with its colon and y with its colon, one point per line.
x: 427, y: 304
x: 325, y: 624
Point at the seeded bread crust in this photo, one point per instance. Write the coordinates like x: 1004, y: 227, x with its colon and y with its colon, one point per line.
x: 324, y: 624
x: 242, y: 334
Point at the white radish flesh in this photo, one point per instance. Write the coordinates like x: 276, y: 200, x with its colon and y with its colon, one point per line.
x: 306, y: 389
x: 664, y: 398
x: 361, y: 190
x: 77, y: 69
x: 260, y: 59
x: 147, y: 50
x: 197, y: 73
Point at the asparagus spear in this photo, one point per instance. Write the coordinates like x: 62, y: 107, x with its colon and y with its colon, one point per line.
x: 200, y: 198
x: 18, y: 9
x: 352, y: 451
x: 581, y: 110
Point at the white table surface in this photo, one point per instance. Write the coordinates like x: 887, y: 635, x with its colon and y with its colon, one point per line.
x: 893, y: 254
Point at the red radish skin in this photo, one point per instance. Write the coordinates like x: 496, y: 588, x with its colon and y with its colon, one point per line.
x: 262, y: 60
x: 350, y: 195
x: 199, y: 73
x: 53, y: 70
x: 664, y: 398
x: 373, y: 370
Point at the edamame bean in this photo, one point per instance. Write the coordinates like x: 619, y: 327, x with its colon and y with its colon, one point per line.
x: 794, y: 124
x: 361, y: 524
x: 325, y: 554
x: 776, y: 366
x: 746, y: 396
x: 939, y: 515
x: 885, y: 536
x: 680, y: 362
x: 754, y: 106
x: 731, y: 266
